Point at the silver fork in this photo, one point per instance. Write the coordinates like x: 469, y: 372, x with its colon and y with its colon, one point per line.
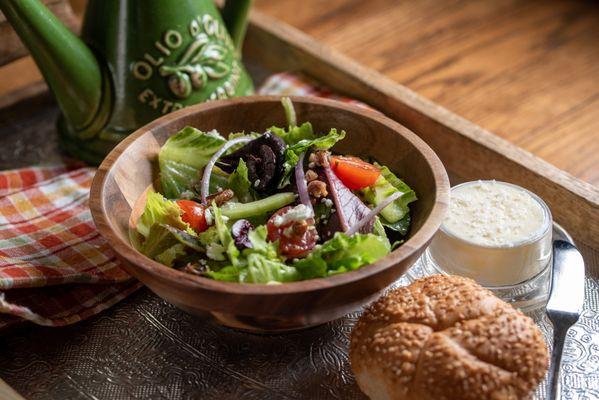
x: 566, y: 298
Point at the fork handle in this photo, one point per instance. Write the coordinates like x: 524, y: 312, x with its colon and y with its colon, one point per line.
x: 559, y: 338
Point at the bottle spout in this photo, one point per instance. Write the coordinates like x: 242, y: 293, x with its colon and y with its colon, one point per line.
x: 69, y: 67
x: 235, y: 15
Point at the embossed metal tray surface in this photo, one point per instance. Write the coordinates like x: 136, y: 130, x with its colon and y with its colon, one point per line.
x: 146, y: 348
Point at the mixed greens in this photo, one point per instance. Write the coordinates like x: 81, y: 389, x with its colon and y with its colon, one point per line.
x: 270, y: 208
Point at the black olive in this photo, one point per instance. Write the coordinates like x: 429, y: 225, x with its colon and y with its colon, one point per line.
x: 267, y: 168
x: 264, y: 157
x: 240, y: 230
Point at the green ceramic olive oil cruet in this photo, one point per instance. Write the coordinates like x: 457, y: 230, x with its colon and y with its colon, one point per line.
x: 136, y: 60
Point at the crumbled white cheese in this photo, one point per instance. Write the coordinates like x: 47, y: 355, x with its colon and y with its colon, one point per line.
x: 300, y: 212
x: 327, y: 202
x: 215, y: 251
x: 256, y: 183
x: 209, y: 217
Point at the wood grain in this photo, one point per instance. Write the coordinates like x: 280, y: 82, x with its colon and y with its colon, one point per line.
x: 525, y: 70
x: 25, y: 81
x: 19, y: 76
x: 468, y: 151
x: 11, y: 48
x: 129, y: 170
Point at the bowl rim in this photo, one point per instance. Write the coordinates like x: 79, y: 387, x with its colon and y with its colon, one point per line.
x: 175, y: 277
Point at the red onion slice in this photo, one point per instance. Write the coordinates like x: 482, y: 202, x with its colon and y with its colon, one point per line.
x: 373, y: 213
x: 208, y: 169
x: 302, y: 186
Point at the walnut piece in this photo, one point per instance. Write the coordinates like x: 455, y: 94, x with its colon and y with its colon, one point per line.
x: 220, y: 197
x: 320, y: 158
x: 317, y: 189
x: 299, y: 228
x: 311, y: 175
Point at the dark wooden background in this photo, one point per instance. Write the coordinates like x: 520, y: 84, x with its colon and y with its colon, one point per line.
x: 527, y: 70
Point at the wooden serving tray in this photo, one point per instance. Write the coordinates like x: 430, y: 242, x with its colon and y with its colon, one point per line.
x: 145, y: 347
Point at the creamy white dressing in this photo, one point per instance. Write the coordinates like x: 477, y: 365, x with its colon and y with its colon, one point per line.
x: 496, y: 233
x: 493, y: 214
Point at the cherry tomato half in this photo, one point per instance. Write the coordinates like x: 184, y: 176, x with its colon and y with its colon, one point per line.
x: 194, y: 215
x: 296, y: 239
x: 353, y: 172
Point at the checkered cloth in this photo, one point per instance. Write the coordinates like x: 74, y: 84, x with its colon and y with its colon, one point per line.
x: 48, y: 240
x: 290, y: 84
x: 55, y: 268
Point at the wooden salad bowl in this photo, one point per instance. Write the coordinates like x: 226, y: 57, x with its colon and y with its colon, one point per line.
x: 131, y: 168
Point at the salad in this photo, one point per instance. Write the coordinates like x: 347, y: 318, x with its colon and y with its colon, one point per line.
x: 270, y: 207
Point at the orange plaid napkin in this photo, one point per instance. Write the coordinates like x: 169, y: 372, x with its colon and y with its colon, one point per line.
x: 55, y: 269
x: 48, y: 240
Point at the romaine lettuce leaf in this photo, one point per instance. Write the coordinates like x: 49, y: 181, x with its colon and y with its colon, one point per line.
x: 262, y: 269
x: 386, y: 185
x: 159, y: 210
x: 295, y: 133
x: 159, y: 240
x: 260, y: 244
x: 402, y: 226
x: 170, y: 255
x: 210, y: 235
x: 342, y: 254
x: 224, y: 235
x: 182, y: 156
x: 321, y: 142
x: 226, y: 274
x: 240, y: 183
x: 379, y: 229
x: 258, y: 269
x: 166, y: 244
x: 215, y: 251
x: 408, y: 195
x: 258, y: 264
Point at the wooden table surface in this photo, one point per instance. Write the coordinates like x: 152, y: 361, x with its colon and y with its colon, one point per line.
x: 527, y: 70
